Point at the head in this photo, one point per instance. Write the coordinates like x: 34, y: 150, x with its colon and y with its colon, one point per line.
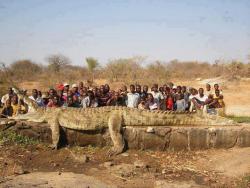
x: 106, y: 88
x: 184, y: 89
x: 74, y: 88
x: 178, y: 89
x: 34, y: 93
x: 150, y: 97
x: 216, y: 86
x: 14, y: 99
x: 208, y: 87
x: 138, y: 88
x: 66, y: 87
x: 132, y: 88
x: 10, y: 91
x: 217, y: 93
x: 145, y: 88
x: 201, y: 92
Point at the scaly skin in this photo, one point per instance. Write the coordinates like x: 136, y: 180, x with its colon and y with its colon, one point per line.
x: 114, y: 118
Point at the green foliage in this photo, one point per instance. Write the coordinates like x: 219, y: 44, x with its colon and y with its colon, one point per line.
x: 92, y: 63
x: 240, y: 119
x: 12, y: 137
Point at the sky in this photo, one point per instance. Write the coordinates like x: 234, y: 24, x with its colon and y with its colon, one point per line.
x: 203, y: 30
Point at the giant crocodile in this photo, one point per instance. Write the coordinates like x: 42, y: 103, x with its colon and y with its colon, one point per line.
x: 113, y: 118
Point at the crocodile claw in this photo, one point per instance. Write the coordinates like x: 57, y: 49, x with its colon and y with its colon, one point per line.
x: 115, y: 151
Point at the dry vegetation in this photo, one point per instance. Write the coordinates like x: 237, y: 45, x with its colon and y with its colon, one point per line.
x: 129, y: 70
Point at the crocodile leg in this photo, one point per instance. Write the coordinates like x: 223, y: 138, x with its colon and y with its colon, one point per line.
x: 115, y: 128
x: 55, y: 130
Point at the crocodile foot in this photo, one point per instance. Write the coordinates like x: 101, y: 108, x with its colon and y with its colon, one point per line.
x: 115, y: 151
x: 53, y: 147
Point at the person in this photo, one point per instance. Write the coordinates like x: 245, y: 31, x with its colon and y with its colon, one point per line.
x: 65, y: 90
x: 93, y: 100
x: 133, y: 98
x: 7, y: 96
x: 115, y: 100
x: 185, y: 96
x: 53, y: 102
x: 217, y: 87
x: 7, y: 110
x: 104, y: 95
x: 74, y: 90
x: 15, y: 105
x: 180, y: 103
x: 138, y: 89
x: 70, y: 102
x: 142, y: 104
x: 157, y: 95
x: 208, y: 90
x: 36, y: 98
x: 193, y: 94
x: 144, y: 93
x: 199, y: 100
x: 152, y: 103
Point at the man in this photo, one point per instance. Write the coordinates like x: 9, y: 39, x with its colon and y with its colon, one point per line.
x: 217, y: 88
x: 36, y: 98
x: 105, y: 95
x: 75, y: 90
x: 138, y: 89
x: 7, y: 110
x: 7, y: 96
x: 208, y: 90
x: 65, y: 89
x: 200, y: 100
x: 144, y: 93
x: 133, y: 98
x: 157, y: 95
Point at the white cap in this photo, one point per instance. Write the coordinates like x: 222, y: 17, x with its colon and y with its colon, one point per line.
x: 65, y: 84
x: 74, y: 85
x: 174, y: 87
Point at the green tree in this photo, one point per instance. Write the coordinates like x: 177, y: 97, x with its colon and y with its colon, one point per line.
x: 92, y: 63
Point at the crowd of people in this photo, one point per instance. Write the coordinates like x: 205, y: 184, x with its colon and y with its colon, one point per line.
x: 166, y: 97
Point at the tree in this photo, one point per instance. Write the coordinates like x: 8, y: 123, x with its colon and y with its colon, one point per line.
x: 92, y: 63
x: 57, y: 62
x: 23, y: 70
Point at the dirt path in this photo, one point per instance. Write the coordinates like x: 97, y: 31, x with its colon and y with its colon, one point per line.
x: 232, y: 162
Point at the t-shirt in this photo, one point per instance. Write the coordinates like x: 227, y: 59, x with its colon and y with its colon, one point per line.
x: 157, y: 96
x: 192, y: 96
x: 180, y: 105
x: 133, y: 100
x: 202, y: 99
x: 85, y: 103
x: 38, y: 100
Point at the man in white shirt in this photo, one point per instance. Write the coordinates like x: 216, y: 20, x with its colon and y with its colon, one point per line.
x: 199, y: 100
x: 133, y: 98
x: 159, y: 98
x: 36, y: 98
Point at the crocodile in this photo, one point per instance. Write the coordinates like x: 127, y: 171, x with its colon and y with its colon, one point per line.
x: 113, y: 118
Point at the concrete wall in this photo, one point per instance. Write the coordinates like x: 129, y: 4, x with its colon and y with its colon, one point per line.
x: 163, y: 138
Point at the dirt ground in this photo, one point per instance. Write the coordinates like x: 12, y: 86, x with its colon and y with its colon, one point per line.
x: 38, y: 166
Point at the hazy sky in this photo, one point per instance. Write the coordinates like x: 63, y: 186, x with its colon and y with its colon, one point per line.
x: 203, y: 30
